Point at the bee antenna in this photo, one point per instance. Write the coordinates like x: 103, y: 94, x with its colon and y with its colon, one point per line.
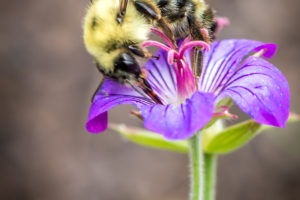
x: 136, y: 89
x: 122, y: 11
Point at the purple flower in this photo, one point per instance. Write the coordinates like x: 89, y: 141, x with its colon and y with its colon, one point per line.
x: 229, y: 70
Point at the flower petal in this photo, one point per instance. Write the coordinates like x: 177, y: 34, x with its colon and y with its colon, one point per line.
x: 161, y: 77
x: 260, y: 90
x: 97, y: 123
x: 178, y: 122
x: 111, y: 94
x: 225, y: 57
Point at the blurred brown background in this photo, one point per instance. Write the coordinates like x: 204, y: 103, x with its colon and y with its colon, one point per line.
x: 46, y: 82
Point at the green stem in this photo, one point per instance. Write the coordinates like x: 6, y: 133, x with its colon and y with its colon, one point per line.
x: 210, y: 163
x: 197, y: 168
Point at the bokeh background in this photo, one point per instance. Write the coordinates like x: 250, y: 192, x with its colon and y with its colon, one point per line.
x: 46, y: 81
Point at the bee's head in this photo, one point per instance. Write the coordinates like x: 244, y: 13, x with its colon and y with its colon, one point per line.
x: 126, y: 66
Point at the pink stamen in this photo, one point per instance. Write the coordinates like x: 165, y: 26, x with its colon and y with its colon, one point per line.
x: 184, y: 91
x: 193, y: 44
x: 137, y: 114
x: 186, y: 40
x: 171, y: 56
x: 186, y: 81
x: 157, y: 44
x: 161, y: 34
x: 224, y: 113
x: 178, y: 78
x: 190, y: 76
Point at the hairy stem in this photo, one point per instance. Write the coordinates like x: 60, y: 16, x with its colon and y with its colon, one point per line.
x: 197, y: 168
x: 210, y: 166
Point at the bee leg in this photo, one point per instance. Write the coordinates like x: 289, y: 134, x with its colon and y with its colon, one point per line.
x: 145, y: 86
x: 148, y: 8
x: 197, y: 62
x: 196, y: 29
x: 151, y: 11
x: 210, y: 22
x: 141, y: 52
x: 198, y: 32
x: 165, y: 27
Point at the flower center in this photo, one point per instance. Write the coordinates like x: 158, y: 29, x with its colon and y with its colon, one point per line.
x: 185, y: 79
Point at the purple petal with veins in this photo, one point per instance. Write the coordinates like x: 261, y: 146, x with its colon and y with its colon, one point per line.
x: 260, y: 90
x: 111, y: 94
x: 177, y: 122
x: 224, y: 59
x: 255, y: 85
x: 162, y: 77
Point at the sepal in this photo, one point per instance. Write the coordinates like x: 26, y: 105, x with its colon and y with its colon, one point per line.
x: 215, y: 139
x: 236, y: 136
x: 147, y: 138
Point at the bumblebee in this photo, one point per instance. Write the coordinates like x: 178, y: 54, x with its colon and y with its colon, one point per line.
x: 113, y: 33
x: 115, y: 29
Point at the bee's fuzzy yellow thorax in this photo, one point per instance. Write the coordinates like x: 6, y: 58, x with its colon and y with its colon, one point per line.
x: 101, y: 28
